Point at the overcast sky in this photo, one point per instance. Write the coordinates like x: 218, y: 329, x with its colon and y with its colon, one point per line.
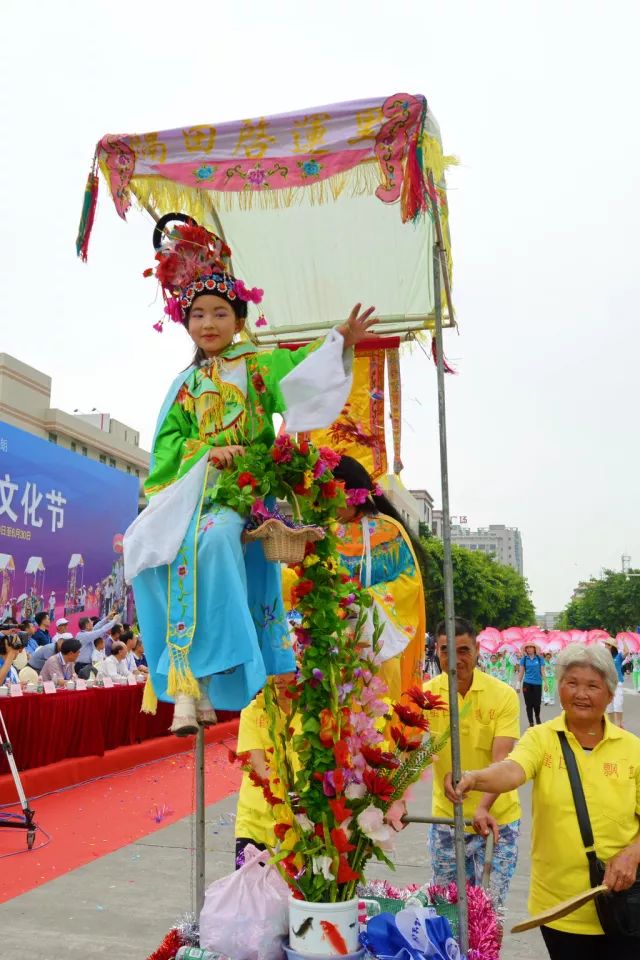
x: 539, y: 101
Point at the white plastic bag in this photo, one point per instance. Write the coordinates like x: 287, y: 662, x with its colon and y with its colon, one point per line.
x: 246, y: 915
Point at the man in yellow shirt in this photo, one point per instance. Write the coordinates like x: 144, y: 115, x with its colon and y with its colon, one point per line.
x: 255, y: 821
x: 489, y: 728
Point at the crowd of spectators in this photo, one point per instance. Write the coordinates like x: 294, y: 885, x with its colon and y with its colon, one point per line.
x: 38, y: 650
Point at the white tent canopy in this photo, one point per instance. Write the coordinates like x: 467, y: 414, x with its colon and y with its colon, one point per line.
x: 34, y: 565
x: 76, y: 561
x: 6, y: 562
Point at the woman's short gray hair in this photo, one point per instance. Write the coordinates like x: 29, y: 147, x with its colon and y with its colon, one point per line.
x: 596, y: 657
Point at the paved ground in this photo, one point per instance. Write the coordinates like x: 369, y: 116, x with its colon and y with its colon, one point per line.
x: 123, y: 904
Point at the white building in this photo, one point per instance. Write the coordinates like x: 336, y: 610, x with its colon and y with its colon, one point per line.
x: 25, y: 402
x: 497, y: 540
x: 402, y: 499
x: 548, y: 621
x: 425, y: 507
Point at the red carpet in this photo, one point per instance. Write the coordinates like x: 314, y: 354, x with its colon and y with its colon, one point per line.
x: 92, y: 819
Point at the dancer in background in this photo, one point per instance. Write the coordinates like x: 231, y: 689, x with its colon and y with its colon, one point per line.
x: 532, y: 671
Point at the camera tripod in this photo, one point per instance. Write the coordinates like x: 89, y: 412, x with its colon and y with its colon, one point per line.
x: 26, y: 822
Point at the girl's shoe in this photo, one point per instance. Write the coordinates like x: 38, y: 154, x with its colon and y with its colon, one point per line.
x: 184, y: 721
x: 205, y: 713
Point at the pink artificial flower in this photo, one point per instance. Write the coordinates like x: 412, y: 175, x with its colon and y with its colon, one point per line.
x: 254, y: 295
x: 158, y: 326
x: 357, y: 496
x: 173, y: 309
x: 259, y: 509
x: 355, y: 791
x: 371, y: 822
x: 261, y: 321
x: 377, y: 490
x: 330, y: 457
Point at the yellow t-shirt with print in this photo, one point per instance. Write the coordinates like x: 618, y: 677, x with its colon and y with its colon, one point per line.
x: 254, y: 816
x: 610, y: 775
x: 492, y: 710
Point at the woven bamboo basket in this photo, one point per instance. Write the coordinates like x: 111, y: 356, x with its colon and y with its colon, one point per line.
x: 283, y: 544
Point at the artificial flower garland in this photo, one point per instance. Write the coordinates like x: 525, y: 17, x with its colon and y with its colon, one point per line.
x: 345, y: 801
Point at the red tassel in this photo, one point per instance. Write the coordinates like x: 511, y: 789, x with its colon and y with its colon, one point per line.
x: 414, y: 196
x: 169, y: 947
x: 434, y: 353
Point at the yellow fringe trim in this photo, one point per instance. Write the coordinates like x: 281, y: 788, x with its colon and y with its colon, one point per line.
x: 181, y: 679
x: 149, y: 698
x: 162, y: 194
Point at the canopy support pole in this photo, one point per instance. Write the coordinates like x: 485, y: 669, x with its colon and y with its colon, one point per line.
x: 439, y: 268
x: 200, y: 824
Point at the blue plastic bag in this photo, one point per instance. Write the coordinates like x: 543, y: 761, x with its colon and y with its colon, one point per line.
x: 411, y: 934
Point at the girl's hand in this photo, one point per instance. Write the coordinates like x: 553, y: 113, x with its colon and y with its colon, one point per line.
x: 223, y: 457
x: 357, y: 326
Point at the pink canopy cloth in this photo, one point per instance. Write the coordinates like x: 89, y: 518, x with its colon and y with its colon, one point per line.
x: 339, y: 199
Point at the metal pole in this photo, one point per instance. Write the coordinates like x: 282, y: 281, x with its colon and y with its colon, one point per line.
x: 449, y: 611
x: 199, y: 814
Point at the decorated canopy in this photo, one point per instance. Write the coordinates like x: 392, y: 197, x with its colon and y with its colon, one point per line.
x: 6, y: 562
x: 514, y: 639
x: 339, y: 198
x: 34, y: 565
x: 76, y: 561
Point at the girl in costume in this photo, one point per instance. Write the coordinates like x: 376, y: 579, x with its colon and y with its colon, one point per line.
x: 209, y: 607
x: 375, y: 546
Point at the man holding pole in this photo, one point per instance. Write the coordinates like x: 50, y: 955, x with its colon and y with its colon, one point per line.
x: 489, y: 728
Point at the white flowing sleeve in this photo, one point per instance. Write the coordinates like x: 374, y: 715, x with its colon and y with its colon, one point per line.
x: 318, y: 388
x: 154, y: 537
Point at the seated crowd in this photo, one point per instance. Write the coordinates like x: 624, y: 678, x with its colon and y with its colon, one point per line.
x: 31, y: 651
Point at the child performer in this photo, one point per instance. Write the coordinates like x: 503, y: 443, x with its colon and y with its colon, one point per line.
x: 200, y: 594
x: 375, y: 545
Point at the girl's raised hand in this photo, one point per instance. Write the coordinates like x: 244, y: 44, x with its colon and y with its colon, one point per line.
x: 357, y: 326
x: 224, y: 456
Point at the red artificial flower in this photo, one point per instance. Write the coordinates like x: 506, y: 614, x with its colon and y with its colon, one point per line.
x: 340, y: 810
x: 290, y: 865
x: 378, y: 786
x: 304, y: 448
x: 318, y: 829
x: 330, y: 489
x: 338, y: 780
x: 345, y: 873
x: 300, y: 590
x: 238, y: 757
x: 341, y: 753
x: 281, y: 830
x: 425, y: 700
x: 300, y: 488
x: 410, y: 718
x: 341, y: 841
x: 400, y: 738
x: 247, y: 479
x: 379, y: 758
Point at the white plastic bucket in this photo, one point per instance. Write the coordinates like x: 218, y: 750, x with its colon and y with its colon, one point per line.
x: 323, y: 929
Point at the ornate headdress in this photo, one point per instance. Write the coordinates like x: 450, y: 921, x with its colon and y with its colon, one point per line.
x: 191, y: 260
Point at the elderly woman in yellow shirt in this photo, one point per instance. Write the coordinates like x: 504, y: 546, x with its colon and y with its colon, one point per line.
x: 608, y: 760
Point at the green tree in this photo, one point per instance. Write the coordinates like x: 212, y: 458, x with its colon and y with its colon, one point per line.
x: 611, y: 603
x: 485, y: 592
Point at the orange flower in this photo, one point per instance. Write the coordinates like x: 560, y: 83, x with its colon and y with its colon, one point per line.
x: 424, y: 699
x: 400, y: 738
